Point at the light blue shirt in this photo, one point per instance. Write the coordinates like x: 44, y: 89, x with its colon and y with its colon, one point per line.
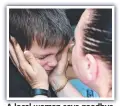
x: 83, y: 89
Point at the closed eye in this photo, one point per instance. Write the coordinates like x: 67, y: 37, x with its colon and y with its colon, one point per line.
x: 42, y: 57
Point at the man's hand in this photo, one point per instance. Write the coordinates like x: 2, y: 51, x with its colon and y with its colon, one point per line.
x: 28, y: 66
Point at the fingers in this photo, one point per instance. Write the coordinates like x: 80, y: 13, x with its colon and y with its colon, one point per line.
x: 18, y: 51
x: 28, y: 66
x: 30, y: 58
x: 13, y: 55
x: 63, y: 63
x: 14, y: 58
x: 71, y: 47
x: 24, y: 66
x: 64, y: 55
x: 33, y: 62
x: 70, y: 54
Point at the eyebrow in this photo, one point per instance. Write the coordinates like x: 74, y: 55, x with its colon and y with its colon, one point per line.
x: 45, y: 55
x: 37, y: 55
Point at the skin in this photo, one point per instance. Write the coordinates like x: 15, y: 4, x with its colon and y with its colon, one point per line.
x: 47, y: 57
x: 28, y: 66
x: 77, y: 54
x: 90, y: 69
x: 44, y: 66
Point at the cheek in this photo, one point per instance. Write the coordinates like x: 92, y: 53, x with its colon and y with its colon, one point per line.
x: 74, y: 56
x: 77, y: 63
x: 42, y: 62
x: 74, y: 60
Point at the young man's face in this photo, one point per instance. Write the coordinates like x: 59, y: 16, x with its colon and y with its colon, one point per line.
x: 47, y: 58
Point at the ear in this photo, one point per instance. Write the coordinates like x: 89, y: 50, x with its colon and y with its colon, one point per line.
x: 92, y: 70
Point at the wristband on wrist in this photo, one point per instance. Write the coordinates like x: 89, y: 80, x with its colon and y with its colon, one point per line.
x: 59, y: 89
x: 35, y: 92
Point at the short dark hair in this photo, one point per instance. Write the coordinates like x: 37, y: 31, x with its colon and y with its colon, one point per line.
x: 98, y: 35
x: 49, y: 27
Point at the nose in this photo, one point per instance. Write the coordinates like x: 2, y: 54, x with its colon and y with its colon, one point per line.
x: 53, y: 63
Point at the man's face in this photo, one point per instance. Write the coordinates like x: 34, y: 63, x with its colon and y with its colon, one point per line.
x: 47, y: 58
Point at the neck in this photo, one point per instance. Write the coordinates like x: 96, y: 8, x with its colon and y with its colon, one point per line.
x: 105, y: 91
x: 103, y: 83
x: 103, y: 86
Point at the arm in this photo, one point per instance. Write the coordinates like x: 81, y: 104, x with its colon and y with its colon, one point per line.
x: 67, y: 91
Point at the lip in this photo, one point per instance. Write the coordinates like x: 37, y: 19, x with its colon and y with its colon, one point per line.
x: 49, y: 70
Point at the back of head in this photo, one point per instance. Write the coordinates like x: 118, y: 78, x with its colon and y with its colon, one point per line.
x: 49, y: 27
x: 98, y: 34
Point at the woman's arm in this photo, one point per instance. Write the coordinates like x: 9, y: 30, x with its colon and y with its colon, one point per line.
x: 66, y: 88
x: 58, y: 78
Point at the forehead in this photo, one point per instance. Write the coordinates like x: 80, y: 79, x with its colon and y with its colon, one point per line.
x: 82, y: 24
x: 79, y: 31
x: 36, y: 49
